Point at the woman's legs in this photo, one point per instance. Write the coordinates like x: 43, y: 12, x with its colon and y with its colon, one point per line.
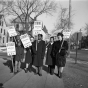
x: 48, y: 68
x: 60, y: 70
x: 26, y: 69
x: 52, y: 67
x: 16, y: 64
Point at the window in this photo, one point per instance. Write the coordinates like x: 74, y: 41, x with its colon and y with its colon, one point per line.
x: 0, y: 22
x: 4, y: 31
x: 1, y: 30
x: 17, y: 26
x: 3, y: 39
x: 7, y: 38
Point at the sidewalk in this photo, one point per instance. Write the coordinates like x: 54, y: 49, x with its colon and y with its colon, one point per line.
x: 28, y: 80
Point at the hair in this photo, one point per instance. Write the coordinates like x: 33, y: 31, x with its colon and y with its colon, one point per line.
x: 40, y: 35
x: 60, y: 34
x: 52, y: 37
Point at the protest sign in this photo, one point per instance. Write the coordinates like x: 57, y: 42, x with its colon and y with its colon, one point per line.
x: 12, y: 31
x: 66, y: 33
x: 11, y: 48
x: 25, y: 40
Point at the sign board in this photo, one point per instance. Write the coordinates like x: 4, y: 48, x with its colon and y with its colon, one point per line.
x: 11, y: 48
x: 12, y: 31
x: 36, y: 32
x: 25, y: 40
x: 66, y: 33
x: 37, y: 25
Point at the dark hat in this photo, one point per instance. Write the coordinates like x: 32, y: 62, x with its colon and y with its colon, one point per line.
x: 60, y: 34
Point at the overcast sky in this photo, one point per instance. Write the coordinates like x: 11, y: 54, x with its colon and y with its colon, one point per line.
x: 79, y: 8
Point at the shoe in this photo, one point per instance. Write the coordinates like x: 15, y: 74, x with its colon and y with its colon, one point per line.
x: 40, y: 74
x: 26, y: 70
x: 30, y: 70
x: 36, y: 73
x: 60, y: 75
x: 15, y: 73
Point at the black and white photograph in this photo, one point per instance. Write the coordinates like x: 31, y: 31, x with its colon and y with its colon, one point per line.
x: 43, y: 43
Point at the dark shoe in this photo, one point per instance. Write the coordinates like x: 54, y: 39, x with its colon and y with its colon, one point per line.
x: 60, y: 75
x: 36, y: 73
x: 30, y: 70
x: 51, y: 73
x: 40, y: 74
x: 26, y: 70
x: 1, y: 85
x: 15, y: 73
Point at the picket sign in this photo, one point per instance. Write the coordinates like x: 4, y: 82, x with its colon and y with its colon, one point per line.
x: 37, y: 28
x: 11, y: 48
x: 25, y: 40
x: 37, y: 25
x: 66, y: 33
x: 36, y: 32
x: 12, y: 31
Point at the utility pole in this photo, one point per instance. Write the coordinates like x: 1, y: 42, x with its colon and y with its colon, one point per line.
x: 69, y: 27
x: 76, y: 48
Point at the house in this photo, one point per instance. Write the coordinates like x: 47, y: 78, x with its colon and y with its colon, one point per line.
x: 44, y: 32
x: 19, y: 24
x: 4, y: 37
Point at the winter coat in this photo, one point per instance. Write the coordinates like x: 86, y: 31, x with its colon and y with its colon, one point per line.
x: 38, y: 55
x: 49, y: 59
x: 19, y: 53
x: 28, y: 56
x: 56, y: 47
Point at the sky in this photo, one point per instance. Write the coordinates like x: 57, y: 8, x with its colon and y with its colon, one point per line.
x: 80, y: 17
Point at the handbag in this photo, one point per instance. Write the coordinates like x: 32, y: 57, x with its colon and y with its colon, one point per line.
x: 59, y: 58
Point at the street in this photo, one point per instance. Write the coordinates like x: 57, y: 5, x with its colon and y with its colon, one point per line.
x: 74, y: 76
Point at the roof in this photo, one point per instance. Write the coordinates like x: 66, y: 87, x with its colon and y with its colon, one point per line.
x: 44, y: 29
x: 17, y: 19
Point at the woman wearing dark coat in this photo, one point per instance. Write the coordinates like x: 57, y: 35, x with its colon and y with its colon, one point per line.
x: 29, y: 57
x: 49, y: 59
x: 62, y: 58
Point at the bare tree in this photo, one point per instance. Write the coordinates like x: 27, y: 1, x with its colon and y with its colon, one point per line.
x: 63, y: 19
x: 29, y: 7
x: 4, y: 4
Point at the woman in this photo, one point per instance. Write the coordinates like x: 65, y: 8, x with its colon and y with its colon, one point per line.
x: 49, y: 59
x: 19, y: 55
x: 28, y: 57
x: 59, y: 50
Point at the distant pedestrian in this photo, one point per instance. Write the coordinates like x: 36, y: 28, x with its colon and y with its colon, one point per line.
x: 38, y: 48
x: 50, y: 60
x: 60, y: 56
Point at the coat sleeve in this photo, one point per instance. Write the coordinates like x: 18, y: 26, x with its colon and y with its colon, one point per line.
x: 43, y: 49
x: 33, y: 47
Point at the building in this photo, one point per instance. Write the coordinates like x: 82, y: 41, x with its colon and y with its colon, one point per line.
x: 21, y: 26
x: 4, y: 36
